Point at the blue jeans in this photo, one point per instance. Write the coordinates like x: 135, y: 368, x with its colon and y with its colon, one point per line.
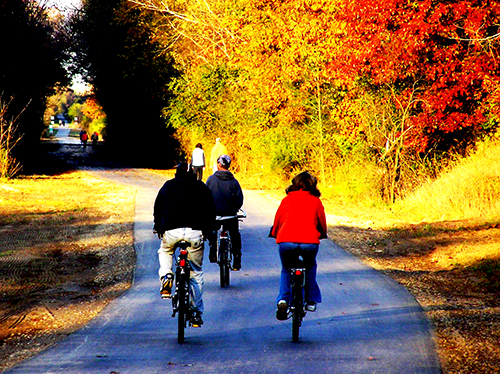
x: 288, y: 256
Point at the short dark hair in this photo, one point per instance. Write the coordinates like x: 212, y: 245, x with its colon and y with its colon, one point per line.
x: 182, y: 168
x: 306, y: 182
x: 199, y: 146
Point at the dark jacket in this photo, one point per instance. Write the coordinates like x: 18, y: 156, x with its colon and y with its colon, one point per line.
x: 227, y: 193
x: 184, y: 202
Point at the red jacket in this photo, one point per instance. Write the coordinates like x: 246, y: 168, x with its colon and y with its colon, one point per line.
x: 300, y: 219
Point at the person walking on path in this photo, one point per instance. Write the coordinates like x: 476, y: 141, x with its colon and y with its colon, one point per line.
x: 299, y: 224
x: 94, y: 138
x: 228, y: 197
x: 198, y: 161
x: 184, y: 209
x: 84, y: 137
x: 217, y: 150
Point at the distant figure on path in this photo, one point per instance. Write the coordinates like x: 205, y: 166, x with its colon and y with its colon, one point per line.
x: 84, y: 137
x: 94, y: 138
x: 217, y: 150
x: 198, y: 161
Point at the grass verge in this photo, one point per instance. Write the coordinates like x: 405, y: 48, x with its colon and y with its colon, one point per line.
x: 66, y: 250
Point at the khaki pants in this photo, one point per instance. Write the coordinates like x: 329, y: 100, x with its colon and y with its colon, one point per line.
x: 195, y: 257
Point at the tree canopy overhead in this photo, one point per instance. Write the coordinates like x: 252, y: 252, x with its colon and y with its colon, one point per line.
x: 34, y: 49
x: 116, y: 52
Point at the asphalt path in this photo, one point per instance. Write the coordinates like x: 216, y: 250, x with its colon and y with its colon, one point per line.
x: 367, y: 323
x: 63, y: 137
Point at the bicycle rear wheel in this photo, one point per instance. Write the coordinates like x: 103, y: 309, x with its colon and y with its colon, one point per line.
x: 297, y: 310
x: 227, y: 271
x: 223, y: 264
x: 295, y: 326
x: 182, y: 309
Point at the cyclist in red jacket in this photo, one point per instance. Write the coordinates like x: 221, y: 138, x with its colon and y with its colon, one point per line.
x: 299, y: 223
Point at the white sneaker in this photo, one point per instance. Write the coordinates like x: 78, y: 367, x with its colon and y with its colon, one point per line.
x: 311, y: 306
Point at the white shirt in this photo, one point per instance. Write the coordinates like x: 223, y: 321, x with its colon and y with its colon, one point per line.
x: 198, y: 157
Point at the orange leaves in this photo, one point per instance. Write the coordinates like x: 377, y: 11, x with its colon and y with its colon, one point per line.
x: 92, y: 109
x: 289, y: 40
x: 293, y: 57
x: 314, y: 5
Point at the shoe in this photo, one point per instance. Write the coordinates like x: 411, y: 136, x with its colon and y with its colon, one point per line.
x: 282, y: 312
x: 166, y: 286
x: 311, y: 306
x: 237, y: 263
x: 196, y: 320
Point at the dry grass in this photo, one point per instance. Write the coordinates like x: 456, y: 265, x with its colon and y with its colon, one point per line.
x: 470, y: 190
x: 443, y: 245
x: 66, y: 249
x: 459, y: 295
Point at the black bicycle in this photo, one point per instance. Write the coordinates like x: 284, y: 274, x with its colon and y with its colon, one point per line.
x: 224, y: 253
x: 181, y: 296
x: 297, y: 307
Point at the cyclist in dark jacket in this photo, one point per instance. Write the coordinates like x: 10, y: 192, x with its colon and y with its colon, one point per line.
x: 184, y: 202
x: 228, y: 197
x: 184, y: 210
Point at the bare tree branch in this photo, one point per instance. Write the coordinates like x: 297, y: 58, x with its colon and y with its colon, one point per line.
x: 200, y: 25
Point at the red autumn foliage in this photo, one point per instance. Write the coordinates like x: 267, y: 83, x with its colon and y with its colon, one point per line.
x: 448, y: 50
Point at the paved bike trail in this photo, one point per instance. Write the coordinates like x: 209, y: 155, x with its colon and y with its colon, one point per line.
x: 63, y: 137
x: 367, y: 323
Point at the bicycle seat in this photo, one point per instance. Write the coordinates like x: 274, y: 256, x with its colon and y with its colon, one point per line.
x: 183, y: 244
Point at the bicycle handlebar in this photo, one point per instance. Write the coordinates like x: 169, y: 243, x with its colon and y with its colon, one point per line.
x: 241, y: 214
